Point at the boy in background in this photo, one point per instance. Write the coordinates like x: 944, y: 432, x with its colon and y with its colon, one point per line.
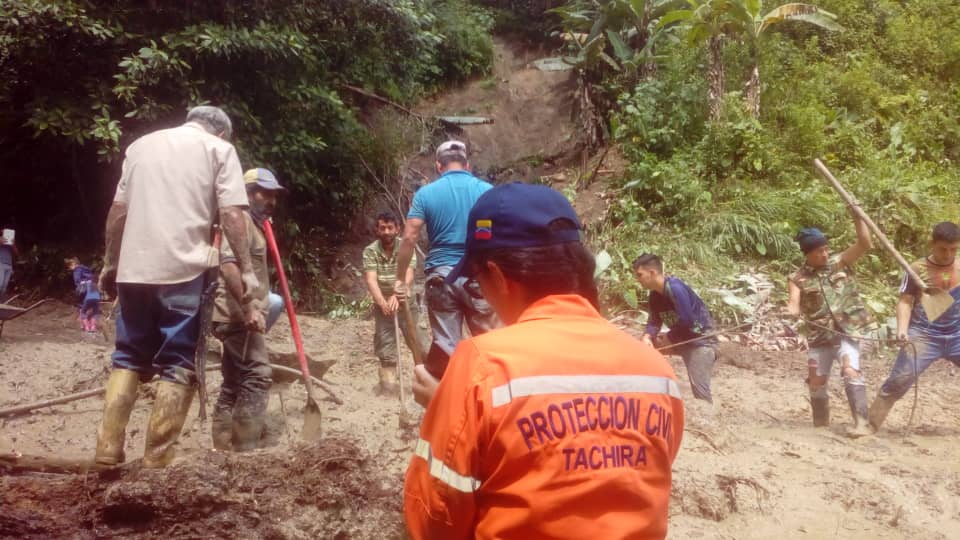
x: 673, y: 302
x: 85, y: 285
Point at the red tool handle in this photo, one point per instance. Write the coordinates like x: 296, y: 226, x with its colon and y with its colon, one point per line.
x: 288, y: 303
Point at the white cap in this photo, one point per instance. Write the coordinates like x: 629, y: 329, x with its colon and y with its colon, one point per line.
x: 452, y: 148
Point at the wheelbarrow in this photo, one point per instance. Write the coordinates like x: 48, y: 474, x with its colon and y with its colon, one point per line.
x: 8, y: 312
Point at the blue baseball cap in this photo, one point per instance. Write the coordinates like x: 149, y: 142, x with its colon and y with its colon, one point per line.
x: 263, y: 179
x: 515, y: 215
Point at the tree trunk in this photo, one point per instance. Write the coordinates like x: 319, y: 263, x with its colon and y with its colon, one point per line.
x: 753, y: 91
x: 715, y: 76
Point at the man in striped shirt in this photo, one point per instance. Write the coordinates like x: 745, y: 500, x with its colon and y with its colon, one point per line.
x: 380, y: 274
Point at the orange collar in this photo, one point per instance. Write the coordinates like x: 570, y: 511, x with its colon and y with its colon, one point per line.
x: 559, y: 305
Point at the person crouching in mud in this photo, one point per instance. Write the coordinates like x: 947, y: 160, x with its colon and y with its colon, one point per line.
x: 825, y: 294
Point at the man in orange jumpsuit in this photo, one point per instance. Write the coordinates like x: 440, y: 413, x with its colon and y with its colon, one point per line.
x: 558, y: 425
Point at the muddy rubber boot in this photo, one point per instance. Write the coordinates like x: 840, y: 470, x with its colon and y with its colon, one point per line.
x: 879, y: 410
x: 120, y: 396
x: 221, y: 431
x: 821, y: 411
x: 247, y: 431
x: 857, y: 397
x: 170, y: 409
x: 388, y: 381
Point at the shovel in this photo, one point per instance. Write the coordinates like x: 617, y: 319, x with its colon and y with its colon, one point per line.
x: 311, y: 413
x: 935, y: 301
x: 412, y: 332
x: 404, y: 419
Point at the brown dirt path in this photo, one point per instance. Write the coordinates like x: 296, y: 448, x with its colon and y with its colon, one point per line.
x: 752, y: 467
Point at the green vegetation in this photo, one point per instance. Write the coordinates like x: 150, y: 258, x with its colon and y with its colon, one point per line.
x: 79, y: 80
x: 876, y: 100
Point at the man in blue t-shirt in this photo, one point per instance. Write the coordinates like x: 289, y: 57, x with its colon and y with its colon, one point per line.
x: 932, y: 340
x: 675, y: 304
x: 443, y: 206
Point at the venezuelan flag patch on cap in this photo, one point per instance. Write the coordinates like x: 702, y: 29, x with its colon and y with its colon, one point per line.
x: 484, y: 229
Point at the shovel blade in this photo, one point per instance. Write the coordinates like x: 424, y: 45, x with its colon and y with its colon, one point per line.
x: 935, y: 303
x: 311, y: 421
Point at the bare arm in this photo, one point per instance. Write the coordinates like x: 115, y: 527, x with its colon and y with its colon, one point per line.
x: 861, y: 246
x: 904, y: 309
x: 408, y: 279
x: 793, y: 303
x: 253, y: 319
x: 234, y: 228
x: 116, y: 218
x: 232, y: 280
x: 408, y: 244
x: 373, y: 286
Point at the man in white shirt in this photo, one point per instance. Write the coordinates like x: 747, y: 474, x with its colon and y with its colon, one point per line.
x: 175, y: 185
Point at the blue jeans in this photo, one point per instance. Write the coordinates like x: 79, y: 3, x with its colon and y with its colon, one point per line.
x: 157, y: 329
x: 929, y: 350
x: 6, y: 272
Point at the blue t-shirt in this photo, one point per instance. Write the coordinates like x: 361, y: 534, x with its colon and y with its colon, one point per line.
x: 6, y: 254
x: 682, y: 310
x: 444, y: 206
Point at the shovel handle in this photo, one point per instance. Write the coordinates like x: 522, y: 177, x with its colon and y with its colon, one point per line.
x: 288, y: 304
x: 870, y: 224
x: 412, y: 332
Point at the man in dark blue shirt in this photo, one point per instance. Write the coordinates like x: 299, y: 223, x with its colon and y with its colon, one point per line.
x: 675, y: 304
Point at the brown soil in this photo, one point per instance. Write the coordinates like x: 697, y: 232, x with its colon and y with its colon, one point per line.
x: 750, y: 467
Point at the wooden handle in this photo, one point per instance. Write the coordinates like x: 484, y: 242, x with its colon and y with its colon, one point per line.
x: 412, y: 331
x: 869, y: 222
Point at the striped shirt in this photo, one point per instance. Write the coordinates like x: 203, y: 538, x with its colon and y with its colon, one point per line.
x: 376, y: 259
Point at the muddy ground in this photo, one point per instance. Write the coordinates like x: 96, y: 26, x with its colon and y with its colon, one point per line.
x: 752, y: 467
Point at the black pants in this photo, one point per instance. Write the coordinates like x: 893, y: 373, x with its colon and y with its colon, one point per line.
x: 246, y: 377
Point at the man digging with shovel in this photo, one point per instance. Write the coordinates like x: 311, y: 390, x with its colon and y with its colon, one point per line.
x: 239, y: 414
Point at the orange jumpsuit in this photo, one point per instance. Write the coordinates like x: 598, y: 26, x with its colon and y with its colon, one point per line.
x: 558, y: 426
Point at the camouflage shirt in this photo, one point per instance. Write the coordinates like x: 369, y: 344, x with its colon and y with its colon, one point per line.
x: 829, y: 297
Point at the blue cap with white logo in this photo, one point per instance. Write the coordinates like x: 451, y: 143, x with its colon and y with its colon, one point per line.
x: 516, y: 215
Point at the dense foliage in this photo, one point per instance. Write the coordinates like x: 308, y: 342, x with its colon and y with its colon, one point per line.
x: 80, y: 79
x: 877, y: 101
